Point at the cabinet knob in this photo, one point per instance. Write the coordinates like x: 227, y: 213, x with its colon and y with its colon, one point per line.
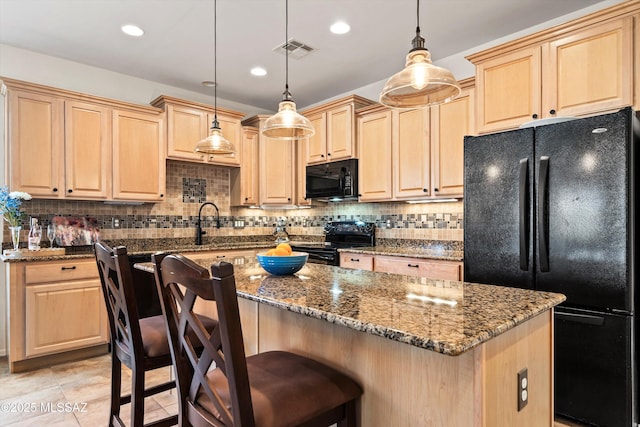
x: 70, y: 190
x: 289, y: 199
x: 55, y: 189
x: 328, y: 154
x: 435, y: 190
x: 161, y: 195
x: 552, y: 112
x: 535, y: 116
x: 246, y: 199
x: 424, y: 190
x: 322, y: 155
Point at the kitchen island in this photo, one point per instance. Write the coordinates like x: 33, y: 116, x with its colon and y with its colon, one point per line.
x: 427, y: 352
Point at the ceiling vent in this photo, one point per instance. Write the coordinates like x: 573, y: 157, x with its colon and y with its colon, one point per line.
x: 297, y: 50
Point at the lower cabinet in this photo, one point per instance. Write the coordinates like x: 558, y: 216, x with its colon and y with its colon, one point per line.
x: 55, y: 307
x: 421, y: 267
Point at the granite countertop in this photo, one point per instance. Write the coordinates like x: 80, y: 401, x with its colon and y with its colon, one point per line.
x: 143, y: 247
x: 444, y: 316
x: 426, y: 253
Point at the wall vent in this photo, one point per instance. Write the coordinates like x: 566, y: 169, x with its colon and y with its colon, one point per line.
x: 297, y: 50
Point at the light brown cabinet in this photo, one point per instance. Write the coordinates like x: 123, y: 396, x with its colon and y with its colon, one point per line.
x: 55, y: 307
x: 334, y: 125
x: 580, y: 68
x: 420, y: 267
x: 414, y: 154
x: 450, y: 122
x: 277, y: 168
x: 137, y: 137
x: 188, y: 122
x: 65, y: 145
x: 244, y: 182
x: 374, y: 168
x: 433, y: 269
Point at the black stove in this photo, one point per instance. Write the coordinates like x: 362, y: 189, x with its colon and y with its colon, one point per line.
x: 338, y: 235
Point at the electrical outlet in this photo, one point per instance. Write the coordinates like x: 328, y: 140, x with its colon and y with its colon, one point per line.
x: 115, y: 222
x: 523, y: 388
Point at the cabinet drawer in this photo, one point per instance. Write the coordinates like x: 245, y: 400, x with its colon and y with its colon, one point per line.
x: 220, y: 255
x: 445, y: 270
x: 357, y: 261
x: 60, y: 271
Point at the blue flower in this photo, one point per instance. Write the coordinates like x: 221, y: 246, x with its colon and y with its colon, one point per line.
x: 10, y: 203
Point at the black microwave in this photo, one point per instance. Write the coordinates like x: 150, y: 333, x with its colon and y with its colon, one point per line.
x: 333, y: 181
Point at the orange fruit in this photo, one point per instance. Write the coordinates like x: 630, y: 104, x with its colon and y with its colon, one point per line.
x: 286, y: 247
x: 281, y: 251
x: 271, y: 252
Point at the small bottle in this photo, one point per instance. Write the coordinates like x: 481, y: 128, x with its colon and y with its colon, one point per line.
x: 35, y: 235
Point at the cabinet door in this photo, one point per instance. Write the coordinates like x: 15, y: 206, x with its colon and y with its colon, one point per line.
x: 450, y: 123
x: 301, y: 174
x: 340, y: 134
x: 411, y: 154
x: 374, y: 140
x: 244, y: 181
x: 317, y: 144
x: 139, y: 166
x: 64, y: 316
x: 36, y: 132
x: 87, y: 151
x: 277, y: 173
x: 509, y: 90
x: 185, y: 127
x: 232, y: 130
x: 591, y: 70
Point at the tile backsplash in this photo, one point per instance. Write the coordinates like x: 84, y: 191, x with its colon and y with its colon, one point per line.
x: 189, y: 185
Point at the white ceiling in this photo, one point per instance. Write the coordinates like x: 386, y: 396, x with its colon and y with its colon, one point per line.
x: 177, y: 48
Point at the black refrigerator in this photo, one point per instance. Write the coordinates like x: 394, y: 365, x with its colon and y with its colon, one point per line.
x: 552, y: 208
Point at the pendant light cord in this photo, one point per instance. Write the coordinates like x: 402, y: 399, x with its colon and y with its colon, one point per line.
x: 286, y: 94
x: 417, y: 16
x: 418, y: 41
x: 215, y: 64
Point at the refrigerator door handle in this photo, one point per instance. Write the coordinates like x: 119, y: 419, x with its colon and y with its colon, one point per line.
x: 543, y: 215
x: 523, y: 206
x: 580, y: 318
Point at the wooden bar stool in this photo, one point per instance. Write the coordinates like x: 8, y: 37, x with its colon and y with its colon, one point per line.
x: 271, y: 389
x: 141, y: 344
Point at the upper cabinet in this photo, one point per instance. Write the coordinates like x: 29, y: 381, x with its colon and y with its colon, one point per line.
x: 450, y: 122
x: 138, y: 137
x: 189, y: 122
x: 65, y: 145
x: 334, y: 125
x: 276, y: 169
x: 244, y: 181
x: 414, y: 154
x: 580, y: 68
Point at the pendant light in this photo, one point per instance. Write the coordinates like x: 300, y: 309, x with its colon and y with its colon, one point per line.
x: 287, y: 123
x: 420, y: 84
x: 215, y: 143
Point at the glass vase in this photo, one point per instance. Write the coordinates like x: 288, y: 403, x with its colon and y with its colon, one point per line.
x: 15, y: 236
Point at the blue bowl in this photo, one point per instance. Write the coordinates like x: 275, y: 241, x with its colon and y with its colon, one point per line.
x: 282, y: 265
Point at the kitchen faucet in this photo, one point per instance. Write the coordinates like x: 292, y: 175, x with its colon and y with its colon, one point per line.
x: 199, y: 231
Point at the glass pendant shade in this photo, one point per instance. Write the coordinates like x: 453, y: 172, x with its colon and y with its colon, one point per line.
x: 287, y: 123
x: 215, y: 143
x: 420, y: 84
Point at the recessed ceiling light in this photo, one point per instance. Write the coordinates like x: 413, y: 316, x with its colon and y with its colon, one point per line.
x: 132, y: 30
x: 258, y: 71
x: 340, y: 28
x: 209, y: 83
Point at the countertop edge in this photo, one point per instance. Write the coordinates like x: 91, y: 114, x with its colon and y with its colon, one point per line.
x: 444, y: 255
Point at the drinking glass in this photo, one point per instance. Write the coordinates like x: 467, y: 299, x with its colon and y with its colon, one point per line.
x: 51, y: 234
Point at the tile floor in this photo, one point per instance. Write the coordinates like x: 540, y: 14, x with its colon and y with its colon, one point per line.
x: 77, y: 394
x: 73, y: 394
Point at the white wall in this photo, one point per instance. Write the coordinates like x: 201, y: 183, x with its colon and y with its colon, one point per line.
x: 35, y: 67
